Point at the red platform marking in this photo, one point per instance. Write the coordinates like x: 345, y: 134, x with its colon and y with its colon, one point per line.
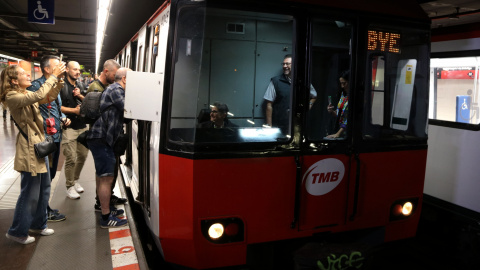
x: 120, y: 234
x: 128, y: 267
x: 126, y: 249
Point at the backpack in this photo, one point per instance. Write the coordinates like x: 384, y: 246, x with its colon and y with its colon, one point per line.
x: 90, y: 108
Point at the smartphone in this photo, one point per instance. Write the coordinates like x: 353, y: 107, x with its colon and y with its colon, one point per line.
x: 329, y: 99
x: 61, y: 57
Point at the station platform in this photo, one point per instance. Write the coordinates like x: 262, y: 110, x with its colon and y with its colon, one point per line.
x: 78, y: 241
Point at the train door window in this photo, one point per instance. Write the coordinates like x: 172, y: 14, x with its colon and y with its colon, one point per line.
x: 141, y: 59
x: 146, y: 58
x: 396, y: 95
x: 454, y: 89
x: 378, y: 89
x: 224, y: 63
x: 330, y: 80
x: 133, y: 62
x: 155, y: 44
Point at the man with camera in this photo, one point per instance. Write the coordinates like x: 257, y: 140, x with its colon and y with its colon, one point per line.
x: 75, y: 153
x: 52, y: 120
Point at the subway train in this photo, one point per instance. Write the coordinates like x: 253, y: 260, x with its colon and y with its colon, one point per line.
x: 451, y: 180
x: 214, y: 196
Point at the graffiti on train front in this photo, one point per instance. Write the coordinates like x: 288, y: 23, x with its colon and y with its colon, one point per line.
x: 342, y: 262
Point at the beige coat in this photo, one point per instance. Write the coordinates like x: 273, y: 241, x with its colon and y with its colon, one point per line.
x: 31, y: 122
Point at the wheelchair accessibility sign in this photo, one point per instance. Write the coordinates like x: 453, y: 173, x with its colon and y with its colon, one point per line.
x: 41, y: 11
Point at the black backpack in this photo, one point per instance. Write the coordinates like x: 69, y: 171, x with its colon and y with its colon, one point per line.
x: 90, y: 108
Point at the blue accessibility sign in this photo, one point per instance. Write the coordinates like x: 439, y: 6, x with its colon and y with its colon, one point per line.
x: 41, y: 11
x: 463, y: 109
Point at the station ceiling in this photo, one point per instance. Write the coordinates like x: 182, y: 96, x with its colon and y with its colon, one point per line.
x: 73, y: 33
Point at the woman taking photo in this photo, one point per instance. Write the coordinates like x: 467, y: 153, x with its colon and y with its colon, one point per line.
x: 31, y: 208
x: 341, y: 112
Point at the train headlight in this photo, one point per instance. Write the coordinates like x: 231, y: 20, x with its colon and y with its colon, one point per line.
x: 215, y: 231
x: 403, y: 208
x: 223, y: 230
x: 407, y: 208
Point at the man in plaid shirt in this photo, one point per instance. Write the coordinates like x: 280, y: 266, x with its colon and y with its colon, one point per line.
x: 101, y: 139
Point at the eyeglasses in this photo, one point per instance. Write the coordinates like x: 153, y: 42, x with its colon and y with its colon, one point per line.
x: 214, y: 111
x: 286, y: 64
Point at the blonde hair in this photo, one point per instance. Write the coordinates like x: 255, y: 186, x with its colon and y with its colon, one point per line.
x: 8, y: 74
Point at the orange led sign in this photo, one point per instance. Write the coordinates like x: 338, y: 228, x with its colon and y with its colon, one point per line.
x: 383, y: 41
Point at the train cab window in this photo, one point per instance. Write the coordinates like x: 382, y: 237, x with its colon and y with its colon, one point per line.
x: 454, y: 89
x: 327, y: 117
x: 224, y: 63
x: 396, y: 95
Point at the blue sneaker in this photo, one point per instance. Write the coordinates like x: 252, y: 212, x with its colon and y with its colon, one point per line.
x: 116, y: 212
x: 112, y: 222
x: 55, y: 216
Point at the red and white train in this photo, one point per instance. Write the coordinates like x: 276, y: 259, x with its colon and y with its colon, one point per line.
x: 211, y: 195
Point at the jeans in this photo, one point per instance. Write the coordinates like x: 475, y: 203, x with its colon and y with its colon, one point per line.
x: 54, y: 161
x: 31, y: 208
x: 75, y: 155
x: 53, y: 170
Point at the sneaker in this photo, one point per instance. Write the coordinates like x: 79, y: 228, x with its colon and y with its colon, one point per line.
x: 22, y: 240
x: 116, y: 212
x: 55, y: 216
x: 113, y: 210
x: 116, y: 200
x: 78, y: 188
x: 72, y: 193
x: 44, y: 232
x: 112, y: 222
x: 97, y: 207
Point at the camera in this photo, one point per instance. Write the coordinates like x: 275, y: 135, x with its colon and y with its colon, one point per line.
x: 51, y: 126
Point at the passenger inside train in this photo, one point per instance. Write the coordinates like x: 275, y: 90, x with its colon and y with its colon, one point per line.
x: 218, y: 117
x: 341, y: 111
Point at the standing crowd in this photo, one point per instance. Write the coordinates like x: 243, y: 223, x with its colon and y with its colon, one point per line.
x: 50, y: 107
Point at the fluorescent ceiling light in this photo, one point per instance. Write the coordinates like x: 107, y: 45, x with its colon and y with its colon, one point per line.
x: 7, y: 24
x: 10, y: 57
x: 102, y: 20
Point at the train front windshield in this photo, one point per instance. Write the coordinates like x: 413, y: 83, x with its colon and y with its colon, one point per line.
x: 227, y: 62
x: 224, y: 64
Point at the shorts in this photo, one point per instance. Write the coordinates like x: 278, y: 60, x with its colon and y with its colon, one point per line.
x: 103, y: 157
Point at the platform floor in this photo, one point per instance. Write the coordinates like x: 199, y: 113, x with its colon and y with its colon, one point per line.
x: 78, y: 242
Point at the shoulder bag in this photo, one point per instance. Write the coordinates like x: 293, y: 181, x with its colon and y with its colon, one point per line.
x: 42, y: 149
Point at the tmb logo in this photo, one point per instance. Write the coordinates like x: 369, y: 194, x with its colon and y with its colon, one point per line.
x: 323, y: 176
